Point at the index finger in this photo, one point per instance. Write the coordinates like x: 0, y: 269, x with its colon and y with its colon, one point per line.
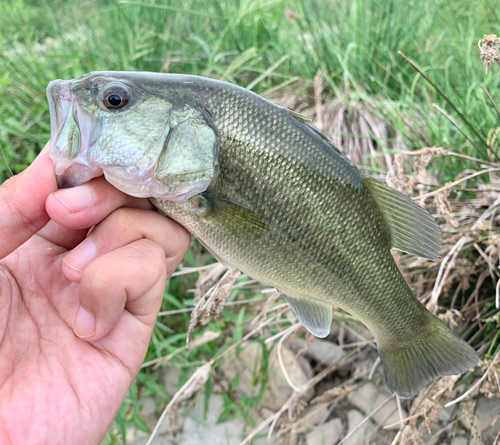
x: 22, y: 203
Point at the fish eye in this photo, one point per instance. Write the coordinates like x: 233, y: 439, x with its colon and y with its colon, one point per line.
x: 115, y: 96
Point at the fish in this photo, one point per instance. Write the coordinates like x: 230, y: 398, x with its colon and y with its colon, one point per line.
x: 267, y: 193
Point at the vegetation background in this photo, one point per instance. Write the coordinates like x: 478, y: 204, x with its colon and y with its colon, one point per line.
x: 334, y: 60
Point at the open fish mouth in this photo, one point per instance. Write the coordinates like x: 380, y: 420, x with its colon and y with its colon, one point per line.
x: 144, y: 148
x: 71, y: 128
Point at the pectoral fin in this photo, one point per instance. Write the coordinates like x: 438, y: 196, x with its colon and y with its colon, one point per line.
x: 316, y: 316
x: 412, y: 229
x: 230, y: 216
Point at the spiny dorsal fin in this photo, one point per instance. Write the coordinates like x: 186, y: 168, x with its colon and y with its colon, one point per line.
x: 315, y: 316
x: 299, y: 117
x: 307, y: 124
x: 413, y: 230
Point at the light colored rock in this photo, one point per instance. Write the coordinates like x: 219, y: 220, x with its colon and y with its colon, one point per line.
x: 459, y: 441
x: 433, y: 435
x: 134, y: 436
x: 488, y: 415
x: 265, y: 441
x: 158, y: 440
x: 207, y: 431
x: 488, y: 418
x: 170, y: 375
x: 200, y: 431
x: 148, y: 407
x: 314, y: 415
x: 360, y: 437
x: 326, y: 434
x: 448, y: 414
x: 248, y: 363
x: 368, y: 397
x: 323, y: 351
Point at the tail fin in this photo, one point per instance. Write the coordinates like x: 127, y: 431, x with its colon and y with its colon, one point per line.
x: 410, y: 367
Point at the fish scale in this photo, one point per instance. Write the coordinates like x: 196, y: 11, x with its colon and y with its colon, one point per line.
x: 273, y: 198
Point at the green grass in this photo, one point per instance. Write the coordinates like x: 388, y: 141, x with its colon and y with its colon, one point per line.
x: 267, y: 45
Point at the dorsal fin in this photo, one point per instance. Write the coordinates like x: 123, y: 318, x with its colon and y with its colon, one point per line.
x: 413, y: 230
x: 307, y: 124
x: 299, y: 117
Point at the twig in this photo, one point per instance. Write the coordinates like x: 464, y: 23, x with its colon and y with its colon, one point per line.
x: 472, y: 388
x: 266, y: 422
x: 442, y: 275
x: 280, y: 358
x: 497, y: 296
x: 416, y: 68
x: 249, y: 335
x: 191, y: 309
x: 366, y: 419
x: 282, y: 333
x: 374, y: 367
x: 187, y: 270
x: 455, y: 183
x: 439, y: 151
x: 6, y: 163
x: 396, y: 439
x: 187, y: 390
x: 304, y: 388
x: 491, y: 99
x: 402, y: 421
x: 440, y: 280
x: 206, y: 337
x: 447, y: 116
x: 496, y: 441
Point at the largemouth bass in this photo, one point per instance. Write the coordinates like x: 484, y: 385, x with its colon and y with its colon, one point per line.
x: 268, y: 194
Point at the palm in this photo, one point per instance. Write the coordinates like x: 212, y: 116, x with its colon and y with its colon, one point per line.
x: 57, y: 372
x: 56, y: 387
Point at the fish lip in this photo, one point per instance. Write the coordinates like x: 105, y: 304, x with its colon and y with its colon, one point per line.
x: 70, y: 174
x: 71, y: 169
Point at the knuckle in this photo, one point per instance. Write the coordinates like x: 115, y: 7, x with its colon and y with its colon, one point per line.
x: 121, y: 218
x: 149, y: 248
x: 97, y: 280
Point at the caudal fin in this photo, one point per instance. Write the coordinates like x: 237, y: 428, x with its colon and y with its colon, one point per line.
x: 410, y: 367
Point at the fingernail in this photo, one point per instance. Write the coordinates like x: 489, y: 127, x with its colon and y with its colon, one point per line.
x: 84, y: 324
x: 76, y: 198
x: 81, y: 256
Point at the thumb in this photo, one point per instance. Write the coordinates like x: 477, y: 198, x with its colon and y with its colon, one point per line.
x: 22, y: 203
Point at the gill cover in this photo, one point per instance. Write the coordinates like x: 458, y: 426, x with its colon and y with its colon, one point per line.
x: 147, y: 148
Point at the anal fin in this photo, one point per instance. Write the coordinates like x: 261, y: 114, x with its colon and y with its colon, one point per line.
x: 315, y: 316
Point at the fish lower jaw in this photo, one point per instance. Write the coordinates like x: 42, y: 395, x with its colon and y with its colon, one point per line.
x: 151, y: 187
x: 71, y: 174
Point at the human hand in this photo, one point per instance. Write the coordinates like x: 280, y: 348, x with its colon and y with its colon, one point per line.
x: 76, y: 313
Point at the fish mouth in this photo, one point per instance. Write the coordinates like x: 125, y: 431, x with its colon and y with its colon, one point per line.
x: 72, y: 131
